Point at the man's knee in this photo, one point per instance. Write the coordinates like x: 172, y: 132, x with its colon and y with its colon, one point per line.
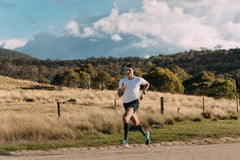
x: 125, y: 118
x: 136, y: 123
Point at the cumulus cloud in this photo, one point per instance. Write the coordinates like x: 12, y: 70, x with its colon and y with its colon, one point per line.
x: 174, y: 23
x: 87, y: 32
x: 116, y: 37
x: 231, y: 30
x: 153, y: 27
x: 51, y: 27
x: 108, y: 24
x: 72, y: 28
x: 13, y: 43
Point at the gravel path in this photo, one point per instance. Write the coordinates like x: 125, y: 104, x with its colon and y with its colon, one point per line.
x: 224, y: 149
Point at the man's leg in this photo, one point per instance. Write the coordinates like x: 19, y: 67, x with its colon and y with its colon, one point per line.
x: 136, y: 122
x: 139, y: 126
x: 126, y: 117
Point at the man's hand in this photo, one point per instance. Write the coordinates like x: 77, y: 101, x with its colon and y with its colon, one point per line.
x: 142, y: 96
x: 123, y: 86
x: 121, y: 91
x: 146, y: 86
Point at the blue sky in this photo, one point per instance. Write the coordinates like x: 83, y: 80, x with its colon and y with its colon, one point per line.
x: 25, y: 18
x: 79, y: 29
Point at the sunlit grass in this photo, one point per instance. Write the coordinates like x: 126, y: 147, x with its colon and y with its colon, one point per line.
x: 29, y: 117
x: 182, y: 131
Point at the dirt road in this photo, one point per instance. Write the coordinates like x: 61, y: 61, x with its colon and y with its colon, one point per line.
x: 167, y: 151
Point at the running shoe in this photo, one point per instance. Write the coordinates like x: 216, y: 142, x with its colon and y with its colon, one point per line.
x: 124, y: 143
x: 147, y: 138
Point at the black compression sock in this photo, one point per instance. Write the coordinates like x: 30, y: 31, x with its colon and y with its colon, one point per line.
x: 140, y: 128
x: 126, y: 129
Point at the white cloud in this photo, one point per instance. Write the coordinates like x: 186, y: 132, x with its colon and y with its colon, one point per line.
x: 116, y: 37
x: 51, y: 27
x: 159, y: 26
x: 1, y: 43
x: 72, y: 28
x: 87, y: 32
x: 13, y: 43
x: 217, y: 11
x: 108, y: 24
x: 231, y: 30
x: 182, y: 24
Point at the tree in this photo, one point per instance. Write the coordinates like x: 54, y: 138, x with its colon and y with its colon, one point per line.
x: 164, y: 80
x: 90, y: 70
x: 180, y: 73
x: 101, y: 79
x: 198, y: 85
x: 222, y: 89
x: 84, y: 80
x: 113, y: 83
x: 138, y: 72
x: 68, y: 78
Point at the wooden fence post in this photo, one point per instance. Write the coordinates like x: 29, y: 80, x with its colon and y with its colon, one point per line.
x: 58, y: 109
x: 162, y: 105
x: 203, y: 105
x: 237, y: 103
x: 178, y: 110
x: 115, y: 104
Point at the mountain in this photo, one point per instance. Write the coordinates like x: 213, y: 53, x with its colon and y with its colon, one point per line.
x: 14, y: 54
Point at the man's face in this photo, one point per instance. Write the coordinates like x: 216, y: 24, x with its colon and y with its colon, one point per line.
x: 129, y: 71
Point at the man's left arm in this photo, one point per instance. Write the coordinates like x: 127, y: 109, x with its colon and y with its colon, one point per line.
x: 146, y: 86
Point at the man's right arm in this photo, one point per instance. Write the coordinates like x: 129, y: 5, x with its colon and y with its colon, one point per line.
x: 121, y: 91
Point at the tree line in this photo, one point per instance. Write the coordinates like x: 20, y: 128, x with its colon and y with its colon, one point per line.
x: 205, y: 72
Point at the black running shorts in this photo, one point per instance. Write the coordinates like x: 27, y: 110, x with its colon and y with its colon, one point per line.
x: 133, y: 104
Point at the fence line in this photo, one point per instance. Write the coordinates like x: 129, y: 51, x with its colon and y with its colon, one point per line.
x: 161, y: 106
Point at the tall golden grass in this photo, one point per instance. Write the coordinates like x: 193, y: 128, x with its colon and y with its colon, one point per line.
x: 31, y: 115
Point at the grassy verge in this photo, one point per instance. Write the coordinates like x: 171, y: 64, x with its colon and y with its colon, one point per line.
x: 180, y: 131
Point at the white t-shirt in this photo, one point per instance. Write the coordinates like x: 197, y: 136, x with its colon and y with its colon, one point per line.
x: 131, y: 92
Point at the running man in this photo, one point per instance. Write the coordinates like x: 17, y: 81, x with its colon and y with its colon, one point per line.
x: 129, y: 87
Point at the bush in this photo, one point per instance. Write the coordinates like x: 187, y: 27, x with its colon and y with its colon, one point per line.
x: 178, y: 119
x: 233, y: 116
x: 169, y: 121
x: 197, y: 119
x: 164, y: 80
x: 29, y: 99
x: 222, y: 88
x: 207, y: 115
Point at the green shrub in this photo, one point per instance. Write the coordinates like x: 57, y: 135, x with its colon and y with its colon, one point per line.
x: 207, y: 115
x: 178, y: 119
x: 197, y: 119
x: 169, y: 121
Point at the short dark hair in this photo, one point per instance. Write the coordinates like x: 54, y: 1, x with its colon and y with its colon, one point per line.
x: 130, y: 66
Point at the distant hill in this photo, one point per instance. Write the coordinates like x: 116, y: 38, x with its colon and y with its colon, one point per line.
x: 217, y: 61
x: 223, y: 63
x: 8, y: 83
x: 14, y: 54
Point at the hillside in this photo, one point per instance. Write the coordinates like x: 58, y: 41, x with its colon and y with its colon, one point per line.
x: 223, y: 63
x: 13, y: 54
x: 218, y: 61
x: 9, y: 84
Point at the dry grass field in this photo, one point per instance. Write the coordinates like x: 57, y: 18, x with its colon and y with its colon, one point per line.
x: 28, y: 114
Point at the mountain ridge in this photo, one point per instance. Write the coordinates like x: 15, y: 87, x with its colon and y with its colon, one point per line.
x: 14, y: 54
